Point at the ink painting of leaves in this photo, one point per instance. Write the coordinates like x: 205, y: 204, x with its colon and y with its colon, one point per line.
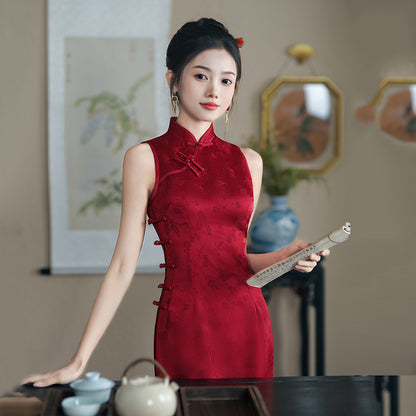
x: 109, y: 106
x: 109, y: 193
x: 109, y: 112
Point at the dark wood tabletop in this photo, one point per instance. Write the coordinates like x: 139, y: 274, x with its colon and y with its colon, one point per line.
x: 299, y: 396
x: 323, y: 395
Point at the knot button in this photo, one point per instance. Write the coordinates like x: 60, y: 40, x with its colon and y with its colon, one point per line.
x: 162, y: 242
x: 165, y: 265
x: 163, y: 286
x: 155, y: 302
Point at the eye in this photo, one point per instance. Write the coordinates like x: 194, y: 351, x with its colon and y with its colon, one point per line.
x: 227, y: 81
x: 201, y: 76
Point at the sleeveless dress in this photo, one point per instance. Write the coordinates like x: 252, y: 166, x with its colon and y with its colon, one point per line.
x: 210, y: 323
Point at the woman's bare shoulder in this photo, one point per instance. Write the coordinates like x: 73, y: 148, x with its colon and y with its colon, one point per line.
x: 139, y: 151
x: 139, y: 154
x: 254, y: 160
x: 139, y: 162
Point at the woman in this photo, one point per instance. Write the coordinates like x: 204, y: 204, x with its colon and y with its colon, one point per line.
x: 200, y: 193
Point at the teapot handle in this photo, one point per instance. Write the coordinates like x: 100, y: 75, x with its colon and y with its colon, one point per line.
x: 150, y: 360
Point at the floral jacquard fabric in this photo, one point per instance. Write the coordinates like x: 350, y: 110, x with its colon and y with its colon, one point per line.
x: 210, y: 323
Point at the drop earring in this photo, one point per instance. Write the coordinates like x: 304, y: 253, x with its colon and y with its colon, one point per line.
x: 227, y: 116
x: 174, y: 100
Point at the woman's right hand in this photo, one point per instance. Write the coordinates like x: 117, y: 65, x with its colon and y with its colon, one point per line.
x: 62, y: 375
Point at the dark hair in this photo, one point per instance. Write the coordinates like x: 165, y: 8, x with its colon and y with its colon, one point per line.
x: 195, y: 37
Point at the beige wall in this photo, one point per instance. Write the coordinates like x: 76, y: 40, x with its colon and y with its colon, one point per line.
x: 370, y: 282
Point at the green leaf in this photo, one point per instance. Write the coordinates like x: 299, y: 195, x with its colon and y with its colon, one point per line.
x: 278, y: 177
x: 108, y: 194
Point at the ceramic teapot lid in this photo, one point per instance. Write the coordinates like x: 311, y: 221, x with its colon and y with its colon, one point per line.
x: 92, y: 382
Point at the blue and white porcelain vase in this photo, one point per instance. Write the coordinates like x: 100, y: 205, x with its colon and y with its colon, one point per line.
x: 275, y: 227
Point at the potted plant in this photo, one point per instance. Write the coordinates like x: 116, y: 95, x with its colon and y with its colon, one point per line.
x: 278, y: 178
x: 277, y: 226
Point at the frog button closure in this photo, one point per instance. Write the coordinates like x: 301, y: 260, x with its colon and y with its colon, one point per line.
x: 157, y: 303
x: 167, y: 266
x: 189, y: 161
x: 162, y: 242
x: 155, y: 220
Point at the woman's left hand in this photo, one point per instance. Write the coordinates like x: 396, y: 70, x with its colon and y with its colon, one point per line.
x: 259, y: 262
x: 307, y: 265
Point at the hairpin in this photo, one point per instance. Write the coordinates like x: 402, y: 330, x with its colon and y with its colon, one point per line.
x: 240, y: 42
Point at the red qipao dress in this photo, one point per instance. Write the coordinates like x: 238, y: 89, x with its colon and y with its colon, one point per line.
x: 210, y: 323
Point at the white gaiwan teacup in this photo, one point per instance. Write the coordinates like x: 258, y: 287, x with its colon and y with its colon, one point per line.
x: 146, y: 396
x: 93, y: 386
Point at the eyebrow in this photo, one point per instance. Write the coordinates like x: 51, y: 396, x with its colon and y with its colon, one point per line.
x: 207, y: 69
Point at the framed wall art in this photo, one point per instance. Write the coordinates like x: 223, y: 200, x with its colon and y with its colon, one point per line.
x: 303, y: 117
x: 394, y: 106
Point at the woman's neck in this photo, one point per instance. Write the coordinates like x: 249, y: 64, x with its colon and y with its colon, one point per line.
x: 196, y: 127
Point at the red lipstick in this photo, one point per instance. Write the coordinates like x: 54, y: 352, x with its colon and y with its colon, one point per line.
x: 210, y: 106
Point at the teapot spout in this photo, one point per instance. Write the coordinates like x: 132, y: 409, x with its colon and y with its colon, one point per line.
x: 174, y: 386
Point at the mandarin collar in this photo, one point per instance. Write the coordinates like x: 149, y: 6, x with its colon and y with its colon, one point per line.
x: 187, y: 137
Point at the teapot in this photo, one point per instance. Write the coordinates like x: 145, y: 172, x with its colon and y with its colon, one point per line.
x: 146, y: 396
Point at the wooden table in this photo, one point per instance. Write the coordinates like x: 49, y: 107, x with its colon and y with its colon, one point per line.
x: 294, y: 396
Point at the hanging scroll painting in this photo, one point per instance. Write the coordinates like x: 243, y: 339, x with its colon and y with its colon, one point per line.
x: 106, y: 93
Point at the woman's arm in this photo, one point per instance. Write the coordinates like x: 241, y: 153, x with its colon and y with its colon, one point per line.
x: 138, y: 183
x: 260, y: 261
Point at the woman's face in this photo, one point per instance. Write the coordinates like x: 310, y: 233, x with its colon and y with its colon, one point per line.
x: 207, y: 86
